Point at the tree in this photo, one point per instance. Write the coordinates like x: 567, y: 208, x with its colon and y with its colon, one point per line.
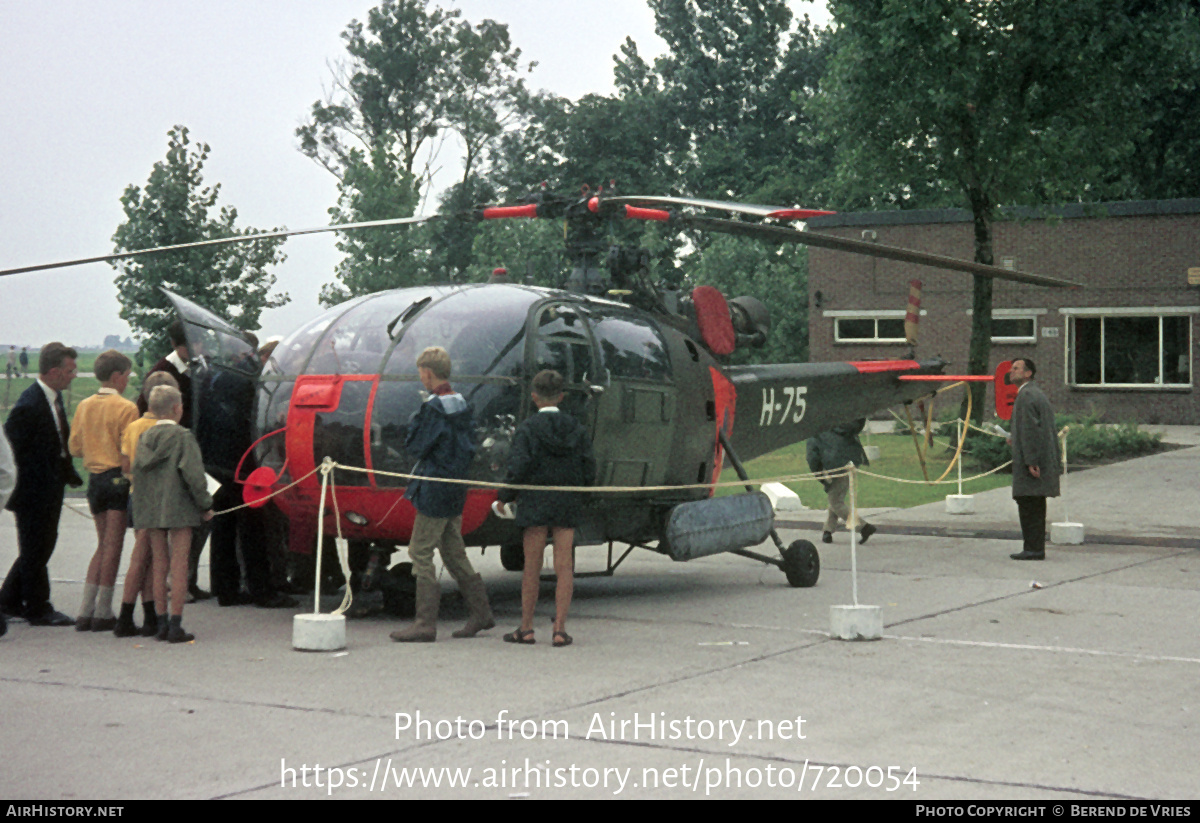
x: 979, y: 102
x: 374, y: 188
x: 415, y: 74
x: 735, y: 78
x: 172, y: 208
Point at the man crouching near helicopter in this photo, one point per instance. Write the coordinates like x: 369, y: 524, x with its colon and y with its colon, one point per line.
x: 439, y: 436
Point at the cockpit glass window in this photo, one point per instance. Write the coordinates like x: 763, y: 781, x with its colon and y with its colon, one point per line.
x: 291, y: 354
x: 632, y: 348
x: 357, y: 341
x: 563, y: 344
x: 483, y: 329
x: 494, y: 409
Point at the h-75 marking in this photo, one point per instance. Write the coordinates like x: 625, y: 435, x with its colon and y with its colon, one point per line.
x: 795, y: 397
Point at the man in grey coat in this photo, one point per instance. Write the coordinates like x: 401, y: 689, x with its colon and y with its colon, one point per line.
x: 830, y: 451
x: 1036, y: 463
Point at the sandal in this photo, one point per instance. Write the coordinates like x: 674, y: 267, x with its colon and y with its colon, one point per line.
x: 562, y: 639
x: 522, y: 636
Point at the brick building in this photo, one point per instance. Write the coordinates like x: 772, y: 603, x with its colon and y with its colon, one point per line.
x: 1124, y: 344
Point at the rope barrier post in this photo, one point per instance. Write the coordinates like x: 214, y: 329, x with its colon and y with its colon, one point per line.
x: 960, y: 503
x: 318, y: 632
x: 1065, y: 533
x: 855, y: 622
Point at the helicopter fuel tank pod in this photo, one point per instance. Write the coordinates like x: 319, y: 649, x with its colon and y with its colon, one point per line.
x: 719, y: 524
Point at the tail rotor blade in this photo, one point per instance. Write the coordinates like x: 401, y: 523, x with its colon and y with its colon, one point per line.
x: 912, y: 317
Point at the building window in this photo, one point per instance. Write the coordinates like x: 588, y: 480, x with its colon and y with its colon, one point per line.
x: 868, y: 330
x: 1013, y: 329
x: 1145, y: 350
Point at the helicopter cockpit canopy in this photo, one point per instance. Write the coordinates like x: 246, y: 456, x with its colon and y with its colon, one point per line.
x: 346, y: 384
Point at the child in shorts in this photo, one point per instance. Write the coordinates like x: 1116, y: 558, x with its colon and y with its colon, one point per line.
x: 550, y: 448
x: 137, y: 576
x: 96, y: 433
x: 172, y: 499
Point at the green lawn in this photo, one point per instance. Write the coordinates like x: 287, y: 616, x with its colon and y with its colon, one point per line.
x: 898, y: 458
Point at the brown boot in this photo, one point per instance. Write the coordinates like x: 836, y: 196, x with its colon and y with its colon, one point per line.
x: 424, y: 625
x: 480, y: 612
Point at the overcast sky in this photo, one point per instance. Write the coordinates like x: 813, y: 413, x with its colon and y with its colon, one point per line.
x: 89, y: 89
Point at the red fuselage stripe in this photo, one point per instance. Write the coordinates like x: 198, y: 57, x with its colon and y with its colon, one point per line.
x: 950, y: 378
x: 873, y: 366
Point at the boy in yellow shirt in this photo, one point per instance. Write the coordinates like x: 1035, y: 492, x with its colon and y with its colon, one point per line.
x: 137, y: 576
x: 96, y: 431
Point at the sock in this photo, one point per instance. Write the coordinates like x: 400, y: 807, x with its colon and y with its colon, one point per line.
x: 104, y: 598
x: 127, y: 612
x: 88, y: 607
x: 148, y: 610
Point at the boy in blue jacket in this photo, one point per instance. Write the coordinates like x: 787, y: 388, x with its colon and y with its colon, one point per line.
x: 439, y: 436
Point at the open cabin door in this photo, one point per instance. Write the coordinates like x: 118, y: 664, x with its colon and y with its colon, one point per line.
x: 223, y: 368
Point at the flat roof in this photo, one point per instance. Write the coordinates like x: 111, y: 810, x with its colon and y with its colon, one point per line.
x: 1070, y: 211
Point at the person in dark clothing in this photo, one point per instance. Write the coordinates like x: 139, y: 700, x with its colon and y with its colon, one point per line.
x: 550, y: 448
x: 439, y: 436
x: 1036, y: 463
x: 830, y: 451
x: 38, y: 431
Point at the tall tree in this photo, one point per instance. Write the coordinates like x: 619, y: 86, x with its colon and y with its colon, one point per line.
x: 735, y: 77
x: 391, y: 95
x: 991, y: 101
x: 374, y: 188
x: 175, y: 207
x: 415, y: 74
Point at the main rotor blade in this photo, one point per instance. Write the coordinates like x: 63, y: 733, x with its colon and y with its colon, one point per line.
x: 784, y: 234
x: 223, y: 241
x: 751, y: 209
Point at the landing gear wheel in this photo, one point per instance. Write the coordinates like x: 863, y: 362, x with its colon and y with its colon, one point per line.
x: 801, y: 564
x: 512, y: 557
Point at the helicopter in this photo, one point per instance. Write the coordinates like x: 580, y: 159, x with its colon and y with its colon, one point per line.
x: 644, y: 369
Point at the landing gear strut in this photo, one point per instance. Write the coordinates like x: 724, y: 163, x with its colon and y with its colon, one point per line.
x: 799, y: 561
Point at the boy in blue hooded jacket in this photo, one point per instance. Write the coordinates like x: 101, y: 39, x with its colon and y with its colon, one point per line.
x: 439, y: 436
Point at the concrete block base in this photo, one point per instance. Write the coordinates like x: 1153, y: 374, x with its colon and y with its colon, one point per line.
x: 319, y: 632
x: 960, y: 504
x: 872, y: 453
x: 782, y: 498
x: 856, y: 622
x: 1066, y: 534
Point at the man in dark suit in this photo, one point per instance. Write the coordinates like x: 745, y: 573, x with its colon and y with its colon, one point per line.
x: 1036, y: 463
x: 38, y: 430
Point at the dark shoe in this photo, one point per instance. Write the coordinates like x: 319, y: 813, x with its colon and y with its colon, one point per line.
x: 197, y: 593
x: 102, y: 624
x: 277, y: 600
x: 83, y: 624
x: 150, y: 627
x: 164, y: 627
x: 239, y: 599
x: 50, y: 617
x: 562, y: 639
x: 176, y: 634
x: 125, y: 628
x: 3, y: 625
x: 826, y: 537
x: 867, y: 531
x: 1028, y: 556
x: 524, y: 637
